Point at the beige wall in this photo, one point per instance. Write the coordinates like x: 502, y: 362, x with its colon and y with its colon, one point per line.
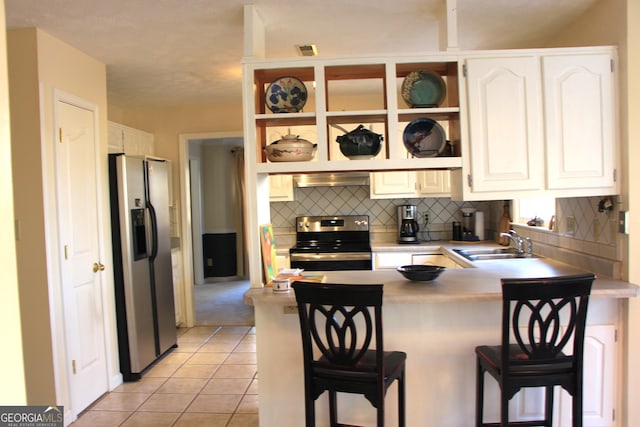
x: 633, y: 134
x: 28, y: 192
x: 38, y: 64
x: 166, y: 124
x: 12, y: 387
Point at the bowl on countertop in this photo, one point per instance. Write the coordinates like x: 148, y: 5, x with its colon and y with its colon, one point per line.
x: 421, y: 273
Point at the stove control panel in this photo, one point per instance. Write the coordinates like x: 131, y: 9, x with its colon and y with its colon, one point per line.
x: 332, y: 223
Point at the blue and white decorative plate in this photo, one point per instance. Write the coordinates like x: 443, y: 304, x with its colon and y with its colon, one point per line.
x: 423, y: 89
x: 286, y: 95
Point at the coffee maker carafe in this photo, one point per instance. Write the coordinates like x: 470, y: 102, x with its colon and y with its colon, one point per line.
x: 407, y: 224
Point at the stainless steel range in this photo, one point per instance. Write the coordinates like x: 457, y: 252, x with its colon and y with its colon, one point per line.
x: 325, y: 243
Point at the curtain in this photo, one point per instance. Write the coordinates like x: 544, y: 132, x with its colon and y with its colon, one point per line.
x: 240, y: 207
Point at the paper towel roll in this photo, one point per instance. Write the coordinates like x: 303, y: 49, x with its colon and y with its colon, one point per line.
x: 480, y: 225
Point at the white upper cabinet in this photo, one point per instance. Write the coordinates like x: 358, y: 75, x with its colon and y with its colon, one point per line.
x: 580, y: 121
x: 281, y: 188
x: 538, y: 123
x: 505, y: 123
x: 433, y: 183
x: 409, y: 184
x: 391, y: 185
x: 133, y: 142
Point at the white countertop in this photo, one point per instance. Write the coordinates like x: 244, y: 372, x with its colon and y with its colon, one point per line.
x: 479, y: 282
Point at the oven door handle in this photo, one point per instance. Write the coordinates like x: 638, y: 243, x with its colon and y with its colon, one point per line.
x: 337, y: 256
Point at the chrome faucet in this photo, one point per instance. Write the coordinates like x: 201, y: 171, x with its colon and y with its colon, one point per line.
x: 519, y: 242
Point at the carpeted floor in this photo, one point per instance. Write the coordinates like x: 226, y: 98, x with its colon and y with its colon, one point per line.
x: 220, y: 304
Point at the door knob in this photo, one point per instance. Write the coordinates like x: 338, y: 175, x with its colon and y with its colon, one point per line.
x: 97, y: 266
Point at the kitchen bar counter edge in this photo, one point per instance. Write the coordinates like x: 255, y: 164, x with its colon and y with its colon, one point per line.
x: 479, y: 281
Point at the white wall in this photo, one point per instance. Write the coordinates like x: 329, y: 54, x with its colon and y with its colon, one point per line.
x: 219, y: 215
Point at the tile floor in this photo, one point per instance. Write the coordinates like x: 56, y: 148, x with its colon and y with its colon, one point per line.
x: 210, y: 380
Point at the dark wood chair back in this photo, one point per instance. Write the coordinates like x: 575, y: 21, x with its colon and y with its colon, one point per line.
x: 543, y: 316
x: 342, y: 343
x: 543, y: 328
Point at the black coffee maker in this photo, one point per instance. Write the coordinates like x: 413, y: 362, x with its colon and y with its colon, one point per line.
x: 408, y: 224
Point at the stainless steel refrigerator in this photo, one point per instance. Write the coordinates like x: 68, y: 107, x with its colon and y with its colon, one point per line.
x: 143, y: 277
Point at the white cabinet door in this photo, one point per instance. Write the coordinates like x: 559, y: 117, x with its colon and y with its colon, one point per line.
x: 505, y: 123
x: 425, y: 183
x: 434, y: 259
x: 280, y: 188
x: 579, y: 121
x: 600, y: 359
x: 389, y: 185
x: 433, y: 183
x: 390, y: 260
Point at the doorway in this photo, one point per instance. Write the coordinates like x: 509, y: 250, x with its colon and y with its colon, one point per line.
x: 212, y: 298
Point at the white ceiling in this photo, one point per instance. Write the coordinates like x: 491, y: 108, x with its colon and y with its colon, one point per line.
x: 166, y: 52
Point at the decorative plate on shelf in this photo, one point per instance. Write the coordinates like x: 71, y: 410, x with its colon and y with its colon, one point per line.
x: 424, y: 137
x: 423, y: 89
x: 286, y: 95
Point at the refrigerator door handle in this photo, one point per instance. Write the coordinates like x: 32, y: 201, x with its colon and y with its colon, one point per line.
x: 154, y: 231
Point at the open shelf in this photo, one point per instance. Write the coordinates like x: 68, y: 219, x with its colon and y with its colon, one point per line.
x: 367, y: 92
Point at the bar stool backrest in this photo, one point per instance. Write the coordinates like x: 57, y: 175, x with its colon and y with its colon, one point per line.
x: 341, y: 322
x: 543, y: 316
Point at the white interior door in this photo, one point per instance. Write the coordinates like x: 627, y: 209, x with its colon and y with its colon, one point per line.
x: 81, y: 268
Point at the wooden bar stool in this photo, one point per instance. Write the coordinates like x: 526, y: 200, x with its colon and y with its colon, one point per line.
x: 336, y: 323
x: 532, y: 312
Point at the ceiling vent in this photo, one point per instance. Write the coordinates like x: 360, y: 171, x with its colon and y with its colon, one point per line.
x: 307, y: 49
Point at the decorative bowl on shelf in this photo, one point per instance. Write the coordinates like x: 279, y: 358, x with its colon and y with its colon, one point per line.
x: 290, y: 148
x: 424, y: 89
x: 286, y: 95
x: 424, y: 137
x: 421, y: 273
x: 360, y: 143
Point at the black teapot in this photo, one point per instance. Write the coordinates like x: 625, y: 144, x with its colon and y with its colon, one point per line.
x: 360, y: 143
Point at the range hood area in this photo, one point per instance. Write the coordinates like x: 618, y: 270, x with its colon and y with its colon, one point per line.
x: 331, y: 179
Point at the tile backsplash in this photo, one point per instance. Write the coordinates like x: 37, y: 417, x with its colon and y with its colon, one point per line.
x: 583, y: 236
x: 354, y: 200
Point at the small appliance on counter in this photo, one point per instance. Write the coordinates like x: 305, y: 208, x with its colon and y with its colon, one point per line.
x: 408, y: 224
x: 472, y: 227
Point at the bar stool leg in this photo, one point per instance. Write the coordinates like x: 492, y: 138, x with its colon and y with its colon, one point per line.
x: 548, y: 406
x: 333, y: 409
x: 401, y: 401
x: 479, y: 393
x: 504, y: 409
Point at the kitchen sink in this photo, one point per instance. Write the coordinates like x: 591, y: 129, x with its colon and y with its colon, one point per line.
x: 492, y: 254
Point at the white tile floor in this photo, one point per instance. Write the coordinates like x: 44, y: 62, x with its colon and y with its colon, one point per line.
x: 209, y: 380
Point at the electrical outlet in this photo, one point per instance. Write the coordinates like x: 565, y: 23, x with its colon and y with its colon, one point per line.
x: 209, y: 262
x: 571, y: 225
x: 622, y: 222
x: 426, y: 218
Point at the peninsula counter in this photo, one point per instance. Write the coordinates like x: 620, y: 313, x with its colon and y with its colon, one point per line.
x: 438, y: 325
